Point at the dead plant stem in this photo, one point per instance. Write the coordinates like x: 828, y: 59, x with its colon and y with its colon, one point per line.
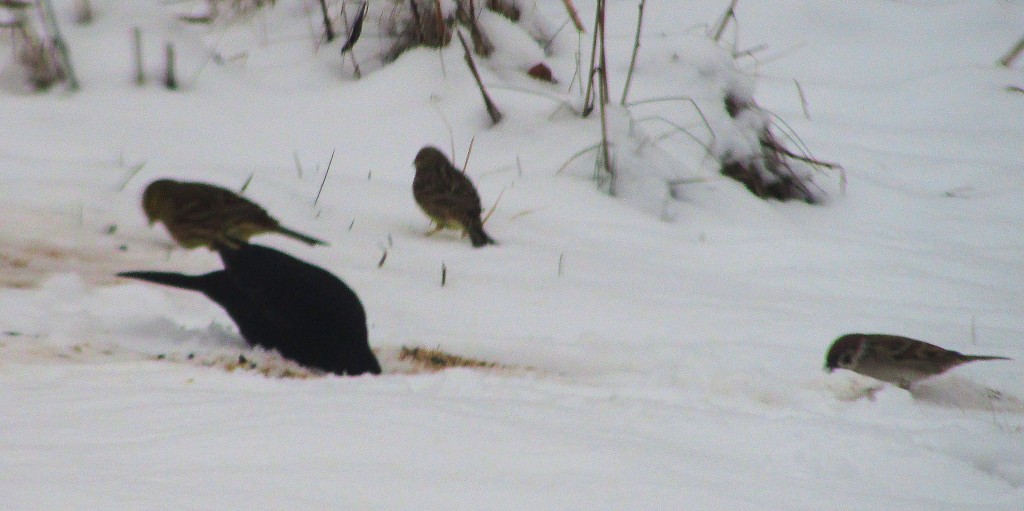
x: 492, y: 109
x: 1012, y: 55
x: 636, y: 50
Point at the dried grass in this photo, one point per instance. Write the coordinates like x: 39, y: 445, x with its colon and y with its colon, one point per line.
x: 436, y: 360
x: 420, y: 23
x: 38, y: 58
x: 416, y: 23
x: 507, y: 8
x: 769, y: 174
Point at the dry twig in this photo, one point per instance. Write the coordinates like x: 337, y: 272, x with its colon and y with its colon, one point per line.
x: 636, y: 50
x: 723, y: 22
x: 436, y: 360
x: 328, y: 30
x: 492, y: 109
x: 1012, y: 55
x: 803, y: 99
x: 326, y: 173
x: 574, y: 15
x: 169, y: 79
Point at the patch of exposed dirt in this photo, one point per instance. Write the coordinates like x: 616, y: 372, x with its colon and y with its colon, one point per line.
x: 33, y: 349
x: 25, y: 264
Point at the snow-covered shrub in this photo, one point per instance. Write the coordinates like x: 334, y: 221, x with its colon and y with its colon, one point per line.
x: 431, y: 23
x: 720, y: 121
x: 756, y: 158
x: 417, y: 23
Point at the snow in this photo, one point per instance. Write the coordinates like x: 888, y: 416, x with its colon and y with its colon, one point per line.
x: 663, y: 348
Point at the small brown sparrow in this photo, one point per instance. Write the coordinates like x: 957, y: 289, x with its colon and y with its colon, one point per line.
x: 447, y: 196
x: 901, y: 361
x: 201, y: 214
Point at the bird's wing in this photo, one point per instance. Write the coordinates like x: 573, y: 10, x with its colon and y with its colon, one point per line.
x: 460, y: 192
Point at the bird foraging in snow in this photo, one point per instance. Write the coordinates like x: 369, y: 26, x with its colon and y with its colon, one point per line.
x: 201, y: 214
x: 282, y: 303
x: 894, y: 359
x: 447, y: 196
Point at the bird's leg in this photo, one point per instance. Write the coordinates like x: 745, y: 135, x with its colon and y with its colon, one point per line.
x: 231, y: 241
x: 870, y: 392
x: 437, y: 228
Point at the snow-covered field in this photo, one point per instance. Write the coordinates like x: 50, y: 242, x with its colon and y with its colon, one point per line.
x: 663, y: 351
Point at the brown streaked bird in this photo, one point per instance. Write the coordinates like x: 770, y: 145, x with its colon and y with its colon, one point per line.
x: 894, y: 359
x: 447, y: 196
x: 201, y: 214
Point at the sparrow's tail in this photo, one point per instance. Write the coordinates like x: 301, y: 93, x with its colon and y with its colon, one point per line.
x: 477, y: 235
x: 972, y: 358
x: 309, y: 240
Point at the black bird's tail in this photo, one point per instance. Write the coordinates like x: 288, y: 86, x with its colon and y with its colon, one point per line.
x: 199, y: 283
x: 477, y: 235
x: 309, y: 240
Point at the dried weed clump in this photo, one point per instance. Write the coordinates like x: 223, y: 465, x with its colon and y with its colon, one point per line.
x: 416, y: 23
x: 38, y: 58
x: 437, y: 360
x: 769, y: 173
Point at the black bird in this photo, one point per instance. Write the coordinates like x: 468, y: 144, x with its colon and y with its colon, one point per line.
x: 280, y: 302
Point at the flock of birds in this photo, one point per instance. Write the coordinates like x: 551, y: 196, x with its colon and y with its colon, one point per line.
x: 205, y: 215
x: 310, y: 316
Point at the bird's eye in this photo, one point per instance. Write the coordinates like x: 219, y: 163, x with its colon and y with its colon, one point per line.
x: 846, y: 360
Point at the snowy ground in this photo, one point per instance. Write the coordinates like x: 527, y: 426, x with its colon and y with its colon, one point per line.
x: 665, y: 353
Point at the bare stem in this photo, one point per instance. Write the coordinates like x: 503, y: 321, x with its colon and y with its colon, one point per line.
x: 574, y: 15
x: 493, y: 207
x: 636, y: 50
x: 774, y: 145
x: 353, y: 37
x: 1012, y: 55
x: 327, y: 21
x: 588, y: 99
x: 803, y: 99
x: 481, y: 44
x: 58, y: 43
x: 604, y: 64
x: 465, y: 164
x: 140, y: 73
x: 326, y: 173
x: 169, y: 80
x: 730, y: 14
x: 603, y: 93
x: 605, y: 154
x: 417, y: 20
x: 442, y: 29
x: 492, y: 110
